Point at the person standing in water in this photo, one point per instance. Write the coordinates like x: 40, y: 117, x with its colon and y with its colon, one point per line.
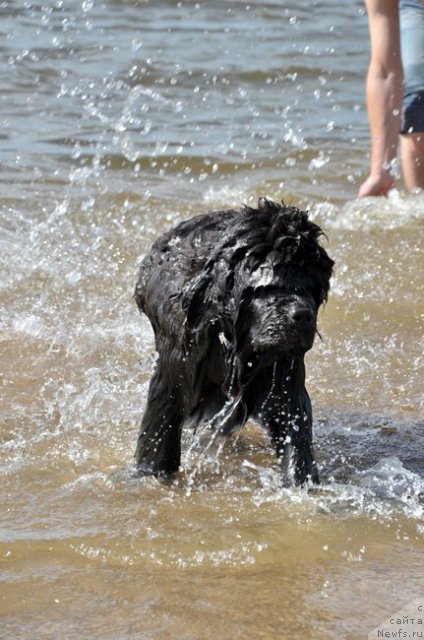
x: 395, y: 80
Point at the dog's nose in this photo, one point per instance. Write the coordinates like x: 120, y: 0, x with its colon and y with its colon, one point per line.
x: 302, y: 316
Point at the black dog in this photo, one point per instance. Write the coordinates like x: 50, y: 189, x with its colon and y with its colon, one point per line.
x: 233, y: 300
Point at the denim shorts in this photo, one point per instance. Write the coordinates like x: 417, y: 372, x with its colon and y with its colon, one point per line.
x: 412, y: 45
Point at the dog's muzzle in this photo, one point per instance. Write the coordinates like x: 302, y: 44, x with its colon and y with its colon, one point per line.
x: 280, y: 325
x: 301, y: 325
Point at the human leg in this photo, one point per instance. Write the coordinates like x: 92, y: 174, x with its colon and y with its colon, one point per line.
x: 412, y: 129
x: 412, y: 155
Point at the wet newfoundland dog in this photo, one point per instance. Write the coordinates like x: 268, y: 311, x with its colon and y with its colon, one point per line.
x: 233, y: 298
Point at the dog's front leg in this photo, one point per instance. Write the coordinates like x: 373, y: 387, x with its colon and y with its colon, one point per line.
x: 290, y: 426
x: 159, y: 442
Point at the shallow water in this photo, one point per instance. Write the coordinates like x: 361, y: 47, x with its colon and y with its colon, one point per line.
x: 120, y: 119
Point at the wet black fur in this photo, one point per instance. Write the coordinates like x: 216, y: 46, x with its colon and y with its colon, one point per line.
x: 233, y: 300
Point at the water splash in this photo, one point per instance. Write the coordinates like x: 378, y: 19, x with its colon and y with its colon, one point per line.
x: 395, y: 211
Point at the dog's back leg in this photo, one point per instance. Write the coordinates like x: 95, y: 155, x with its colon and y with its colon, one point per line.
x: 159, y: 442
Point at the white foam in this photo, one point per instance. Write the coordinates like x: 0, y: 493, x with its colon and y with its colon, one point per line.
x: 397, y: 210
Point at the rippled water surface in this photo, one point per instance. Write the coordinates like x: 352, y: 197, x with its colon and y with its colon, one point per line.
x: 120, y: 119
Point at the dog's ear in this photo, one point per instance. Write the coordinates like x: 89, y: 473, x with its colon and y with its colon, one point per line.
x: 323, y: 272
x: 201, y: 302
x: 242, y: 320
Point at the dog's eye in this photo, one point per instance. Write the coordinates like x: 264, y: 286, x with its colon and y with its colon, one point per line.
x: 286, y: 241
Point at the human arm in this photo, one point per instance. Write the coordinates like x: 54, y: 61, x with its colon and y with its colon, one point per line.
x: 383, y: 93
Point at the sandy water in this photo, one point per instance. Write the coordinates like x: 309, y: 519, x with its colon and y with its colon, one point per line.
x: 118, y: 120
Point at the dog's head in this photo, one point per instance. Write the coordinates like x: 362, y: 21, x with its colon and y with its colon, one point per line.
x: 264, y: 283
